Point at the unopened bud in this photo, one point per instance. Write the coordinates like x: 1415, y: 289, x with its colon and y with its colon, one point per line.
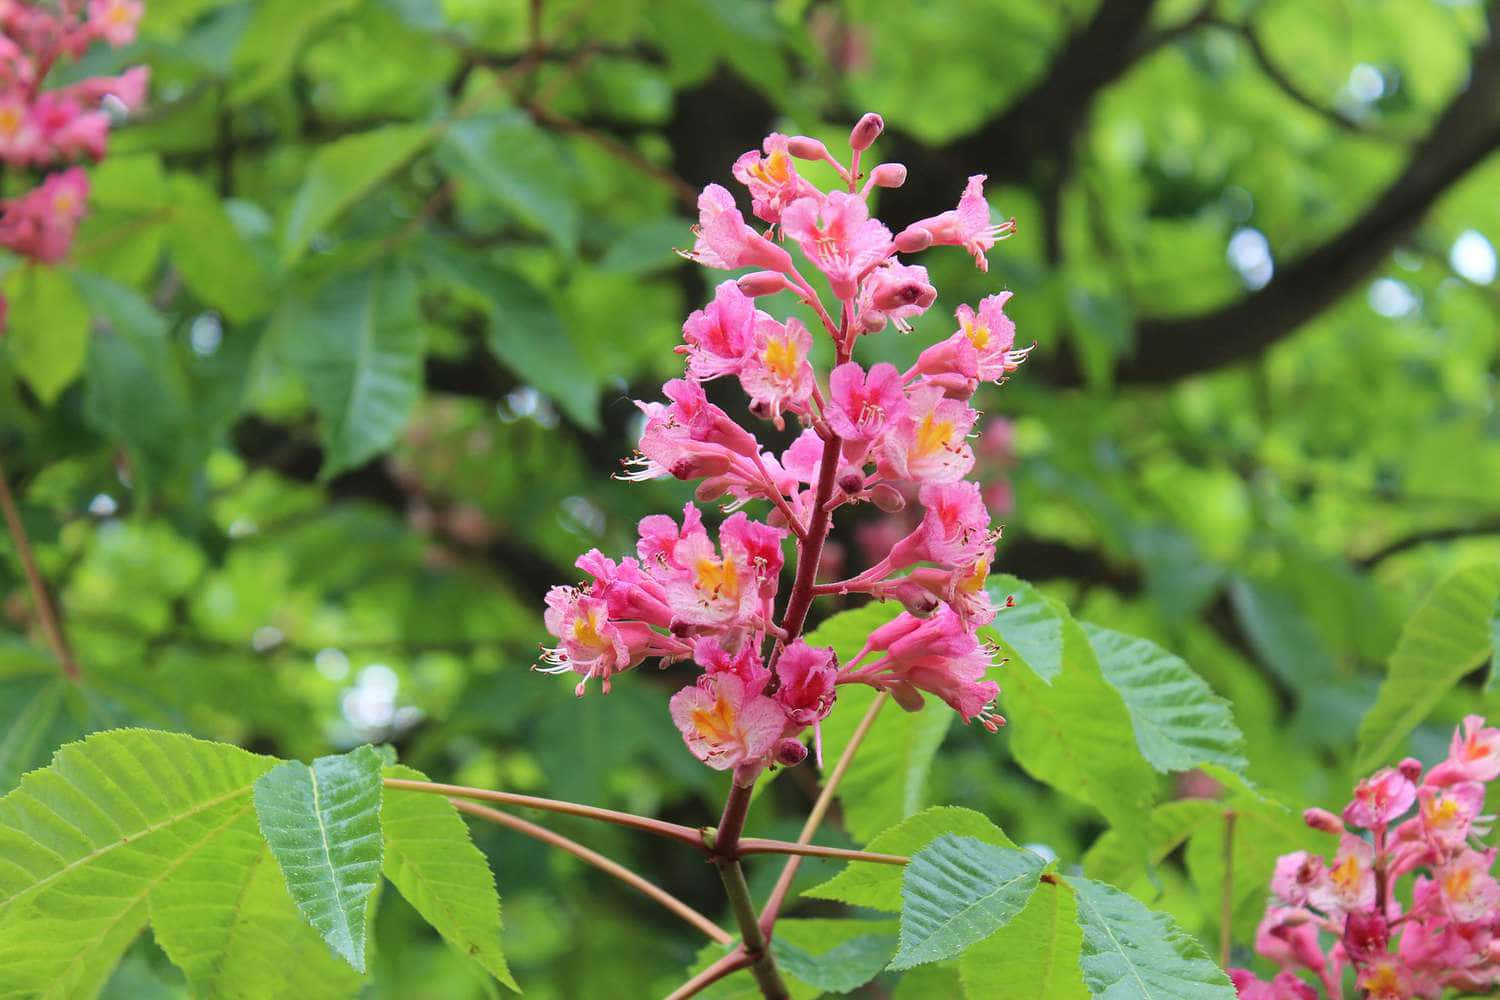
x: 912, y: 239
x: 1322, y: 819
x: 908, y: 697
x: 758, y: 283
x: 871, y: 321
x: 887, y: 498
x: 852, y: 481
x: 700, y: 466
x: 889, y: 175
x: 866, y: 131
x: 790, y: 752
x: 1410, y: 768
x: 807, y: 148
x: 954, y: 385
x: 891, y: 295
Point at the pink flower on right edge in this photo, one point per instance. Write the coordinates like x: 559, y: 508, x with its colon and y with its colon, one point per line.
x: 1349, y: 915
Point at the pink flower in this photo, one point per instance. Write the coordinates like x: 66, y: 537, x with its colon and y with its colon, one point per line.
x: 772, y: 178
x: 41, y: 223
x: 1446, y: 815
x: 928, y: 443
x: 627, y: 591
x: 955, y: 527
x: 724, y: 725
x: 967, y: 226
x: 863, y: 403
x: 1290, y: 939
x: 592, y: 644
x: 719, y: 335
x: 993, y: 336
x: 1351, y: 881
x: 21, y: 139
x: 1297, y: 876
x: 939, y: 655
x: 725, y: 241
x: 1386, y: 979
x: 895, y: 292
x: 776, y: 374
x: 115, y: 20
x: 1474, y: 754
x: 745, y: 663
x: 807, y: 678
x: 704, y: 587
x: 838, y: 236
x: 691, y: 438
x: 1380, y: 798
x: 129, y: 88
x: 1286, y: 986
x: 70, y: 131
x: 1468, y: 890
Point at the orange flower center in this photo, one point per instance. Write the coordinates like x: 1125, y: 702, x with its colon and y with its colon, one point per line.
x: 716, y: 724
x: 774, y: 169
x: 933, y: 435
x: 718, y: 577
x: 782, y: 357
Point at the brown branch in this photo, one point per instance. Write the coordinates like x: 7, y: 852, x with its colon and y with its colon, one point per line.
x: 604, y: 864
x: 46, y: 615
x: 730, y: 963
x: 1447, y: 533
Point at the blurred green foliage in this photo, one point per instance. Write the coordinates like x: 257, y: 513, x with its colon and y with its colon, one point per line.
x: 331, y: 389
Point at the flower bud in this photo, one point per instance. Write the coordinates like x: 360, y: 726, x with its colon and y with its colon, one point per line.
x: 711, y: 489
x: 871, y: 321
x: 1366, y: 936
x: 700, y: 466
x: 889, y: 175
x: 887, y: 498
x: 758, y: 283
x: 891, y: 295
x: 866, y: 131
x: 852, y: 481
x: 912, y: 239
x: 807, y: 148
x: 915, y: 598
x: 790, y: 752
x: 907, y: 696
x: 1322, y: 819
x: 1410, y: 768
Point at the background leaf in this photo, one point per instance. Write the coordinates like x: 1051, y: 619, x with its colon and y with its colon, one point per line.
x: 47, y: 328
x: 1035, y: 955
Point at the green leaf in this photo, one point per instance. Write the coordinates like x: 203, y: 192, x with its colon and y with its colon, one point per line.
x: 1035, y: 955
x: 341, y: 173
x: 863, y: 883
x: 1492, y: 681
x: 274, y: 38
x: 358, y: 341
x: 1282, y: 635
x: 1179, y: 722
x: 1133, y: 953
x: 1448, y: 635
x: 956, y: 892
x: 887, y: 780
x: 1032, y: 629
x: 34, y: 718
x: 323, y: 824
x: 86, y: 842
x: 122, y: 235
x: 209, y: 253
x: 228, y: 921
x: 1117, y: 856
x: 521, y: 167
x: 1075, y: 733
x: 436, y: 867
x: 833, y: 955
x: 47, y: 328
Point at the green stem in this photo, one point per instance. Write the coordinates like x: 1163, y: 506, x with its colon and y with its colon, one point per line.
x: 762, y: 963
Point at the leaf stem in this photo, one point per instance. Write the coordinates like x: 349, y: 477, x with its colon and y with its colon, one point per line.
x: 675, y: 831
x: 819, y: 810
x: 756, y: 845
x: 607, y: 865
x: 1226, y: 901
x: 732, y: 962
x: 45, y: 613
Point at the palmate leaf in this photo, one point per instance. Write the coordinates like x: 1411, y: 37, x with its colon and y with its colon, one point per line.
x: 436, y: 867
x: 323, y: 825
x: 112, y: 831
x: 887, y: 781
x: 1179, y: 722
x: 1035, y: 955
x: 1131, y: 952
x: 1449, y: 634
x: 956, y: 892
x: 863, y: 883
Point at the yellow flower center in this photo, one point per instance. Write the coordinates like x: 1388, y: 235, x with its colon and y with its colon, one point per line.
x: 1382, y: 981
x: 973, y: 581
x: 1441, y: 812
x: 63, y: 204
x: 933, y: 435
x: 1458, y: 882
x: 1346, y: 874
x: 782, y: 357
x: 586, y: 631
x: 774, y: 169
x: 11, y: 120
x: 718, y: 577
x: 715, y: 725
x: 978, y: 334
x: 117, y: 14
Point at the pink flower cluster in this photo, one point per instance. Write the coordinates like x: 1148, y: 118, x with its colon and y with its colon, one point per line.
x: 40, y: 127
x: 867, y: 435
x: 1348, y: 914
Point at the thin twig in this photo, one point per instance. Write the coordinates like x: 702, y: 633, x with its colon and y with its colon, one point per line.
x: 1226, y: 901
x: 757, y: 845
x: 51, y: 627
x: 601, y: 862
x: 730, y: 963
x: 676, y: 831
x: 819, y: 810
